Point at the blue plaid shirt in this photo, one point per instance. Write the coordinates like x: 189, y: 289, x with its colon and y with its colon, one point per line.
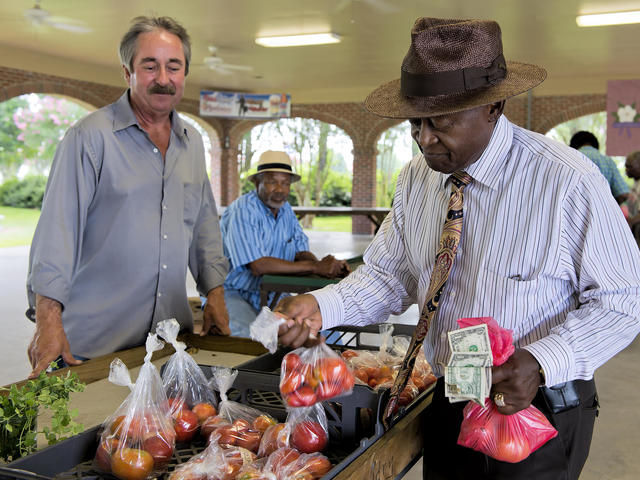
x: 249, y: 232
x: 608, y: 168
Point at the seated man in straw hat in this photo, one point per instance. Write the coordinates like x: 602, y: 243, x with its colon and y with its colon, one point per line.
x: 261, y: 235
x: 532, y: 248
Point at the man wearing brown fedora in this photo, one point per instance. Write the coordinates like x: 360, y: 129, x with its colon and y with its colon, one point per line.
x: 491, y: 220
x: 261, y: 235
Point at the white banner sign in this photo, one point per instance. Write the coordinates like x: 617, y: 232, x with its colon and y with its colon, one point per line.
x: 244, y: 105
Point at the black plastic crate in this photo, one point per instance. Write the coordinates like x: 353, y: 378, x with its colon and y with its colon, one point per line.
x: 354, y: 420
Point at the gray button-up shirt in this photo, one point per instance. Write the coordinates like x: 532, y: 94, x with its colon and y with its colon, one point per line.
x: 119, y: 225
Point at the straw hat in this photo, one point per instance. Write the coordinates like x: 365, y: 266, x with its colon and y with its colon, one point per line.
x: 273, y: 161
x: 452, y: 65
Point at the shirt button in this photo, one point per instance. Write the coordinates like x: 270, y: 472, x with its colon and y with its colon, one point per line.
x: 164, y: 207
x: 155, y: 150
x: 164, y: 236
x: 159, y: 294
x: 443, y: 335
x: 164, y: 267
x: 452, y: 294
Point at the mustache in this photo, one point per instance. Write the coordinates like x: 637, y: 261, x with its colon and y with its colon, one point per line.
x: 163, y: 89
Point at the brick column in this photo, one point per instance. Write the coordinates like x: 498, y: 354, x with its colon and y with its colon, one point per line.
x: 229, y: 175
x: 363, y: 192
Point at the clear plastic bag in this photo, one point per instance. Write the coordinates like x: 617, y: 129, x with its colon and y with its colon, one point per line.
x: 214, y: 463
x: 239, y: 425
x: 289, y: 464
x: 308, y: 427
x: 138, y: 440
x: 264, y: 329
x: 190, y: 398
x: 508, y: 438
x: 310, y: 375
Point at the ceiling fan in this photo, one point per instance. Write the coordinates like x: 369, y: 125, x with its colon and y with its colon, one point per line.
x: 38, y: 16
x: 214, y: 62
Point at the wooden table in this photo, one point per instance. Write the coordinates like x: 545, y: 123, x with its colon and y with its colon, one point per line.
x: 297, y: 283
x: 375, y: 214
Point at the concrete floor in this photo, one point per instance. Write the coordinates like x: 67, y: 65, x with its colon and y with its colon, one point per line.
x: 616, y: 441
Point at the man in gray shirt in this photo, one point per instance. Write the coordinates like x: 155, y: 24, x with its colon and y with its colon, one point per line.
x: 128, y: 207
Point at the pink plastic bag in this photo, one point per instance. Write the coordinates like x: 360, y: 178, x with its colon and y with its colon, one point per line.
x: 508, y: 438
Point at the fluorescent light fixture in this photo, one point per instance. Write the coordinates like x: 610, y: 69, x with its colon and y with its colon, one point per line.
x: 298, y: 40
x: 615, y: 18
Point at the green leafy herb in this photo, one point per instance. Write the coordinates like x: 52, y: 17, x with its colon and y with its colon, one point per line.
x: 19, y: 412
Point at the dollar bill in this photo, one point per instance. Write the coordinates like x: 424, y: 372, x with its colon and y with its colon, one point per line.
x: 468, y: 371
x: 471, y: 339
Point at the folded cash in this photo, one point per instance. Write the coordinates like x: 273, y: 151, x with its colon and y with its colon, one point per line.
x: 467, y: 374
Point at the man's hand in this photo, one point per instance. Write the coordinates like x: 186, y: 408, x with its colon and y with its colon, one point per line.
x: 518, y: 380
x: 49, y: 340
x: 330, y: 267
x: 304, y: 320
x: 215, y: 316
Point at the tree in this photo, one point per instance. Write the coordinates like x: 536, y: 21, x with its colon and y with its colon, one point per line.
x: 42, y: 125
x: 395, y: 148
x: 10, y: 146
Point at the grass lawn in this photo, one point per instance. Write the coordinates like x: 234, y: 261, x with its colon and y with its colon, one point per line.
x: 17, y: 226
x: 332, y: 224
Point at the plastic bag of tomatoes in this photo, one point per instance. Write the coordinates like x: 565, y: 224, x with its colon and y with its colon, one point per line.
x: 191, y: 400
x: 264, y: 329
x: 236, y: 424
x: 138, y: 440
x: 214, y: 463
x: 315, y: 374
x: 308, y: 427
x: 289, y: 464
x: 508, y: 438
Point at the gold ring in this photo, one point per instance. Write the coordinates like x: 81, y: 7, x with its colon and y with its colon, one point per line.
x: 498, y: 399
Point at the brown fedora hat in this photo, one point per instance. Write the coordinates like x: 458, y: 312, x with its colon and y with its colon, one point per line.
x: 452, y: 65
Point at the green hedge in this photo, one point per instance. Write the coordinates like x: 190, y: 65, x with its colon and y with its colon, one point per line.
x: 26, y: 193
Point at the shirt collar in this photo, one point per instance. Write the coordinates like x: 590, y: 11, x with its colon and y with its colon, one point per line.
x: 124, y: 117
x: 487, y: 170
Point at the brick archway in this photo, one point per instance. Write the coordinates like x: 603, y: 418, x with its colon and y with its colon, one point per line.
x: 49, y: 87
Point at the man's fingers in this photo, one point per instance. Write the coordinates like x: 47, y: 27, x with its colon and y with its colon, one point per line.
x: 70, y: 360
x: 499, y: 374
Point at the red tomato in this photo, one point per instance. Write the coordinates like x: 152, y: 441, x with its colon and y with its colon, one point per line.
x: 160, y: 449
x: 210, y: 424
x: 361, y: 375
x: 408, y: 394
x: 240, y: 425
x: 185, y: 425
x: 249, y: 439
x: 303, y: 397
x: 262, y: 422
x: 105, y: 450
x: 131, y: 464
x: 330, y: 369
x: 227, y: 435
x: 175, y: 405
x: 347, y: 354
x: 512, y: 449
x: 308, y: 437
x: 291, y: 362
x: 274, y: 437
x: 317, y: 466
x: 291, y: 380
x: 281, y: 458
x: 204, y: 411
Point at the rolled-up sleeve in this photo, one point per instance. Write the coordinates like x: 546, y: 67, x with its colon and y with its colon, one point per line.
x: 57, y: 242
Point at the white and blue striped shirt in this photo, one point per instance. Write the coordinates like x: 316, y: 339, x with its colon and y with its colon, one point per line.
x: 545, y: 250
x: 249, y: 232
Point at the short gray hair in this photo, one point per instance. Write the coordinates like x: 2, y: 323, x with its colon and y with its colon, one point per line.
x: 142, y: 24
